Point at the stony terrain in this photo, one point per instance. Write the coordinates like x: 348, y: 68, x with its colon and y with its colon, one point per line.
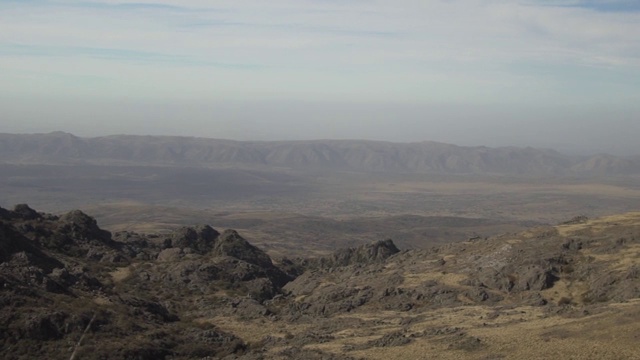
x: 69, y: 289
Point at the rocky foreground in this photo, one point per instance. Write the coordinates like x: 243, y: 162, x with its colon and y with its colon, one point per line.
x: 69, y: 289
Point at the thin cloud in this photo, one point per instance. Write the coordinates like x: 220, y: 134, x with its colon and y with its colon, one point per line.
x: 408, y: 50
x: 114, y: 54
x: 596, y: 5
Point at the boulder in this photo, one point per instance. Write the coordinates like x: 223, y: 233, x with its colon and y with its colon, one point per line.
x: 200, y: 239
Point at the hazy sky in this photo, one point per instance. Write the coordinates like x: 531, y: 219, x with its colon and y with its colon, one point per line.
x: 562, y: 74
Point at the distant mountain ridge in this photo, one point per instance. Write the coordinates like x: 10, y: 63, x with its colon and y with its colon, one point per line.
x: 324, y: 155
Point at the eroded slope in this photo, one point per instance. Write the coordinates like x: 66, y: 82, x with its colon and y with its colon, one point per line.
x: 570, y: 290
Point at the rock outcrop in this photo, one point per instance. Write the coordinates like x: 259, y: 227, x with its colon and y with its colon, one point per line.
x: 199, y: 239
x: 200, y: 293
x: 57, y: 281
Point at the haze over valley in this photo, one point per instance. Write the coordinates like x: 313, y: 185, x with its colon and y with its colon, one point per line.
x: 323, y: 249
x: 314, y: 193
x: 319, y: 180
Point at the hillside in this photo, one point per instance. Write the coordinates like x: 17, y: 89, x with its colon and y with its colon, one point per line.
x: 69, y: 287
x: 320, y: 155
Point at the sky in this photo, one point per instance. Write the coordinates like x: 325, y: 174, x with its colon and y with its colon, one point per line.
x: 562, y: 74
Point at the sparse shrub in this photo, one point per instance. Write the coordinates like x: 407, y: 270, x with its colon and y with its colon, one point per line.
x: 565, y: 301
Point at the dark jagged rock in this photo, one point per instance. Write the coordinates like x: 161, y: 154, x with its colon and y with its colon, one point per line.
x: 13, y: 242
x: 136, y: 245
x: 396, y: 338
x: 201, y: 260
x: 149, y: 309
x: 47, y: 326
x: 82, y: 227
x: 74, y: 233
x: 200, y: 239
x: 519, y: 277
x: 293, y: 268
x: 24, y: 212
x: 364, y: 254
x: 210, y: 274
x: 614, y: 286
x: 55, y: 280
x: 60, y: 276
x: 5, y: 214
x: 77, y: 277
x: 232, y: 244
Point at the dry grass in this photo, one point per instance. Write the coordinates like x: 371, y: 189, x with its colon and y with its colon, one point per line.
x: 566, y: 291
x: 600, y: 225
x: 120, y: 274
x: 102, y: 301
x: 496, y: 187
x: 519, y: 333
x: 416, y: 279
x: 252, y: 331
x: 620, y: 260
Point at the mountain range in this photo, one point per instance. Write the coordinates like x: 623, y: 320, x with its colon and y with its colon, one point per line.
x: 318, y: 155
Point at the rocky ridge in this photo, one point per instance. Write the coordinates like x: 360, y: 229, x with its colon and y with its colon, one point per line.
x: 200, y: 293
x: 324, y: 155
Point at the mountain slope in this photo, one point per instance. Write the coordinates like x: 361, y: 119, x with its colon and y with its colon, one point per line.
x: 326, y: 155
x: 565, y: 291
